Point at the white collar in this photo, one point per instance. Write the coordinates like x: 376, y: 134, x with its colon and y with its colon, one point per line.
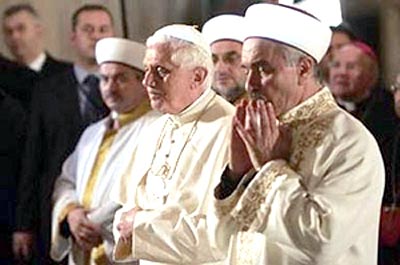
x: 37, y: 64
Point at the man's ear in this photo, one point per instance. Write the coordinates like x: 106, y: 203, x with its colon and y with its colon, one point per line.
x: 200, y: 75
x: 72, y: 38
x: 305, y: 68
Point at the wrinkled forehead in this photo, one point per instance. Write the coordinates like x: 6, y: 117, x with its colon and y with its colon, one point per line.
x: 158, y: 53
x: 347, y: 53
x: 223, y: 46
x: 256, y: 49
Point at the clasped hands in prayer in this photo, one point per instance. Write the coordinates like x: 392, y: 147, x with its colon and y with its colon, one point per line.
x: 85, y: 233
x: 257, y: 137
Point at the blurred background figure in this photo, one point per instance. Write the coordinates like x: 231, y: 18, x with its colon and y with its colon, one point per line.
x: 12, y: 135
x: 24, y: 37
x: 341, y: 35
x: 62, y: 107
x: 225, y: 37
x: 389, y: 249
x: 353, y: 80
x: 17, y: 81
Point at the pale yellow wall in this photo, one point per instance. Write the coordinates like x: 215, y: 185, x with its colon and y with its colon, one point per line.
x: 56, y: 16
x: 145, y: 16
x: 390, y: 39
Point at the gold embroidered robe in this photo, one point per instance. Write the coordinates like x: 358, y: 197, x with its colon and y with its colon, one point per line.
x: 321, y: 207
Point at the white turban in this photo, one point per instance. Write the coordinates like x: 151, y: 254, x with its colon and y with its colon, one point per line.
x: 290, y: 26
x: 224, y: 27
x: 119, y: 50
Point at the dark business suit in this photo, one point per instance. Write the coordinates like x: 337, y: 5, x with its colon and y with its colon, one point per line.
x: 12, y: 135
x: 19, y: 81
x: 377, y: 114
x: 54, y: 128
x: 52, y: 67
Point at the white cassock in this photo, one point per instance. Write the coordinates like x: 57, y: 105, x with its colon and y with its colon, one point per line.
x: 322, y: 207
x: 180, y: 162
x: 98, y: 161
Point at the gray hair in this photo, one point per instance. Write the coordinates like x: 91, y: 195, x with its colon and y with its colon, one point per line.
x: 292, y: 56
x: 186, y: 54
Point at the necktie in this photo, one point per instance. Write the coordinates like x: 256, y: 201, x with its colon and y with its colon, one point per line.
x: 94, y: 108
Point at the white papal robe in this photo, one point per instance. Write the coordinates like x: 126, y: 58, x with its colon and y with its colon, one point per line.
x: 320, y: 207
x: 172, y: 182
x: 98, y: 161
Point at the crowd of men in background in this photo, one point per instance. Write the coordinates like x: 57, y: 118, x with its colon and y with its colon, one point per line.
x: 71, y: 131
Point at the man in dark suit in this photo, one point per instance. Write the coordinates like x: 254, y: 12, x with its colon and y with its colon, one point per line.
x: 24, y: 36
x: 12, y: 135
x: 17, y: 80
x: 62, y: 107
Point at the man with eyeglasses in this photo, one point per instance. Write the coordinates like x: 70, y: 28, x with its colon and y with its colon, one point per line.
x: 225, y: 37
x: 62, y: 107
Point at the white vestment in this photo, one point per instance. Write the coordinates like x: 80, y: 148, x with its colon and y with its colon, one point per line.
x: 321, y: 207
x: 71, y: 186
x: 172, y: 182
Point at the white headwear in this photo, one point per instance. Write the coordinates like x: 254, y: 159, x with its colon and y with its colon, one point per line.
x: 289, y: 26
x: 122, y: 51
x: 186, y: 33
x: 224, y: 27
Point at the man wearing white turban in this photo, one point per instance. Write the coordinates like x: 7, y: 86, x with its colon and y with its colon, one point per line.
x: 305, y: 179
x: 225, y: 35
x: 83, y: 214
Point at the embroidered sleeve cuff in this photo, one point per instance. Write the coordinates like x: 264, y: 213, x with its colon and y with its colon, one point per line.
x: 251, y: 210
x: 224, y: 204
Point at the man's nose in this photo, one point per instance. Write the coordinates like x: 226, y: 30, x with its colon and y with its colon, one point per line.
x: 221, y: 66
x: 148, y: 79
x: 252, y: 82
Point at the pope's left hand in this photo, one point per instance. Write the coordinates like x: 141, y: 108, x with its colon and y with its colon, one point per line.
x: 265, y: 138
x: 125, y: 226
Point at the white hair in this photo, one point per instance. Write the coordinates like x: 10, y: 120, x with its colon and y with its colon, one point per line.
x: 186, y: 54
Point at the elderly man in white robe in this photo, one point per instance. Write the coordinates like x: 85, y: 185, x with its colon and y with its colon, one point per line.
x: 167, y: 195
x: 82, y: 214
x: 305, y: 179
x: 224, y: 33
